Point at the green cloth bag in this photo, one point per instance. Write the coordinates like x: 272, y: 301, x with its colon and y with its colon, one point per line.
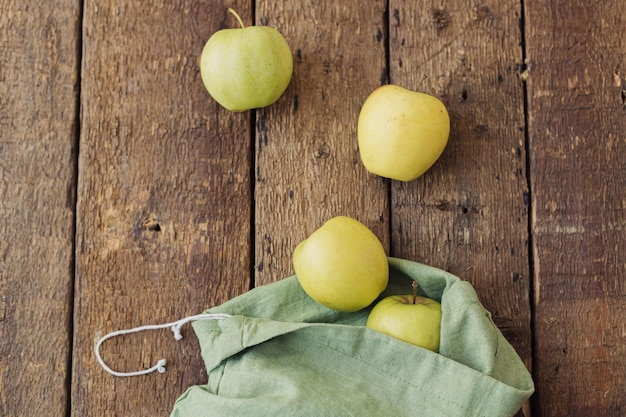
x: 283, y: 354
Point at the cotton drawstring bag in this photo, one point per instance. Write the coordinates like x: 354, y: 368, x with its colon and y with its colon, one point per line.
x: 274, y: 351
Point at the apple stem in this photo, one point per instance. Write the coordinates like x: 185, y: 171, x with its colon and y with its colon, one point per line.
x: 414, y: 285
x: 234, y: 13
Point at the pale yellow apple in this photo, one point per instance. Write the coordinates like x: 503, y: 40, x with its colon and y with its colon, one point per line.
x: 401, y: 133
x: 246, y: 68
x: 415, y: 320
x: 342, y: 265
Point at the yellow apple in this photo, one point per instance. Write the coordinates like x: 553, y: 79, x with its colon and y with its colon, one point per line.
x: 246, y: 68
x: 410, y: 318
x: 342, y: 265
x: 401, y: 133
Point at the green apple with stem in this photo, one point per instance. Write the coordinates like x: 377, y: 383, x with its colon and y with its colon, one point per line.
x: 411, y: 318
x: 247, y: 67
x: 342, y: 265
x: 401, y: 133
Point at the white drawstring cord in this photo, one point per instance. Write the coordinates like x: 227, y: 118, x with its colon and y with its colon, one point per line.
x: 175, y: 327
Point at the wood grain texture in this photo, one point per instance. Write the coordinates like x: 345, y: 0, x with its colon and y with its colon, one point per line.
x: 164, y: 200
x: 38, y: 117
x: 182, y: 205
x: 577, y: 129
x: 469, y: 213
x: 307, y: 164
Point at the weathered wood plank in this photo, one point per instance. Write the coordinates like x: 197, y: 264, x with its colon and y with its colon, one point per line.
x: 38, y: 118
x: 164, y: 200
x: 307, y: 164
x: 469, y: 213
x: 577, y: 130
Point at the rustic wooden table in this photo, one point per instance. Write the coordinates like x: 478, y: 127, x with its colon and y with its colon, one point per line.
x: 128, y: 196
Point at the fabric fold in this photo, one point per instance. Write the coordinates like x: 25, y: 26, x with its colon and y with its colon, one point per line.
x: 283, y: 354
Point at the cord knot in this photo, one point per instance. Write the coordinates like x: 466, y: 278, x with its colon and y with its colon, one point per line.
x: 175, y: 326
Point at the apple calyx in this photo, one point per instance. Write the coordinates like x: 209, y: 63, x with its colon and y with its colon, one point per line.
x: 234, y: 13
